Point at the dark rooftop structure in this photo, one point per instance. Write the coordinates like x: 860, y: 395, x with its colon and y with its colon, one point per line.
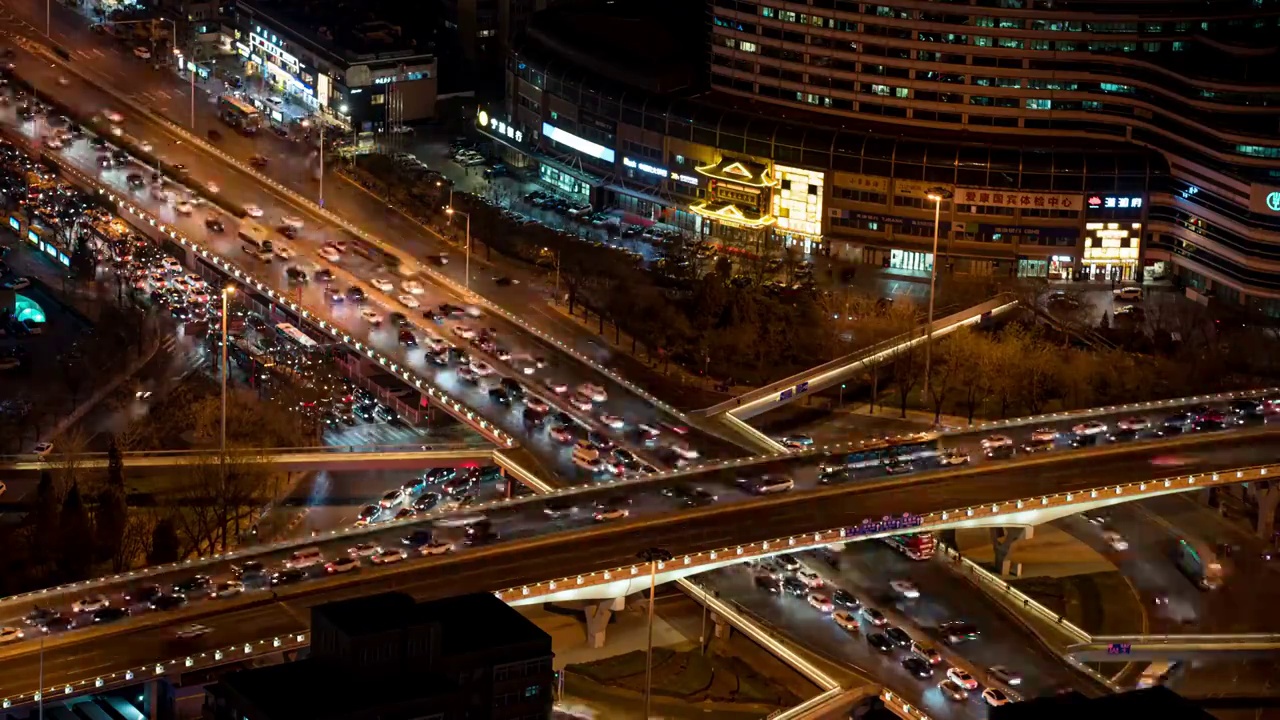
x: 654, y: 45
x: 352, y: 30
x: 1156, y: 702
x: 384, y: 657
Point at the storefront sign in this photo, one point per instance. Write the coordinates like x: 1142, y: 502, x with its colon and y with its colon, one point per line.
x: 1062, y: 232
x: 498, y: 127
x: 888, y: 523
x: 886, y: 219
x: 14, y: 223
x: 1114, y: 243
x: 1015, y: 199
x: 646, y: 168
x: 686, y: 179
x: 582, y: 145
x: 1114, y: 202
x: 867, y: 183
x: 242, y: 49
x: 797, y: 202
x: 1264, y: 199
x: 916, y: 188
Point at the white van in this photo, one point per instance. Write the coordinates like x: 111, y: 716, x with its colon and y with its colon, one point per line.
x: 770, y: 484
x: 305, y: 558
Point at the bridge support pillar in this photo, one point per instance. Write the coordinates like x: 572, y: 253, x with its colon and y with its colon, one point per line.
x: 509, y: 487
x: 1267, y: 495
x: 948, y: 538
x: 158, y: 702
x: 1002, y: 541
x: 723, y: 629
x: 598, y: 616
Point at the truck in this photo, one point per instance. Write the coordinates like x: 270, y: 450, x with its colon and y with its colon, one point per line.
x: 1199, y: 563
x: 255, y: 239
x: 917, y: 546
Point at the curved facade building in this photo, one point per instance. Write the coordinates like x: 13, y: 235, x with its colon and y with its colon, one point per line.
x: 1121, y: 140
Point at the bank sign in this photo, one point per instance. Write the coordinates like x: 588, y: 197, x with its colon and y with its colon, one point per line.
x: 1264, y: 199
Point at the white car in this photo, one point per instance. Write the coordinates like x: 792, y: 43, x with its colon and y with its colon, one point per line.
x: 43, y: 449
x: 581, y: 402
x: 953, y: 457
x: 616, y: 513
x: 330, y: 253
x: 291, y: 221
x: 408, y: 300
x: 382, y: 284
x: 210, y: 186
x: 474, y: 311
x: 953, y: 691
x: 436, y: 547
x: 1091, y: 427
x: 184, y: 208
x: 413, y: 287
x: 1115, y: 540
x: 820, y: 602
x: 464, y: 332
x: 961, y: 678
x: 593, y: 391
x: 364, y: 550
x: 846, y: 620
x: 481, y: 368
x: 996, y: 441
x: 556, y: 386
x: 194, y: 631
x: 371, y: 316
x: 810, y: 578
x: 11, y: 634
x: 227, y: 589
x: 1005, y: 675
x: 253, y: 211
x: 113, y: 116
x: 684, y: 451
x: 1044, y: 435
x: 282, y: 251
x: 116, y: 131
x: 90, y: 604
x: 392, y: 499
x: 905, y: 588
x: 388, y: 557
x: 342, y: 565
x: 613, y: 421
x: 1127, y: 293
x: 996, y: 697
x: 1134, y: 423
x: 537, y: 404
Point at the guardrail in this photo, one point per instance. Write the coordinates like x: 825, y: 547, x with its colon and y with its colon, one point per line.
x: 406, y: 259
x: 452, y: 406
x: 259, y: 452
x: 187, y: 663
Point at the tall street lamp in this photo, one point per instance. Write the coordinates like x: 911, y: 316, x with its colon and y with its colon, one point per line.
x: 451, y: 211
x: 227, y: 292
x: 937, y: 195
x: 653, y: 556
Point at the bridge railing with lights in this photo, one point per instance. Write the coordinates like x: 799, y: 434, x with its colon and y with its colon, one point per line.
x: 178, y: 455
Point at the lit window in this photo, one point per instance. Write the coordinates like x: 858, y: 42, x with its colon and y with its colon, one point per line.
x: 1037, y: 104
x: 377, y: 99
x: 750, y: 47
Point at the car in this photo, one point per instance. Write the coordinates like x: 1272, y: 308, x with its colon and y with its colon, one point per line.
x: 537, y: 404
x: 820, y: 602
x: 1004, y: 675
x: 1036, y: 446
x: 465, y: 332
x: 953, y: 457
x: 168, y: 601
x: 57, y: 623
x: 43, y: 449
x: 917, y: 667
x: 392, y: 498
x: 1090, y: 427
x: 329, y: 253
x: 11, y: 634
x: 226, y: 589
x: 368, y: 512
x: 388, y: 556
x: 580, y: 402
x: 874, y: 616
x: 953, y: 691
x: 481, y: 368
x: 435, y: 547
x: 253, y: 211
x: 787, y: 562
x: 593, y: 391
x: 1115, y: 540
x: 611, y: 513
x: 767, y: 582
x: 899, y: 467
x: 288, y: 576
x: 995, y: 697
x: 195, y: 583
x: 562, y: 433
x: 795, y: 587
x: 39, y: 615
x: 248, y: 572
x: 112, y: 116
x: 797, y: 442
x: 382, y: 284
x: 413, y: 287
x: 846, y: 620
x: 613, y: 421
x: 905, y: 588
x: 90, y: 603
x: 283, y: 251
x: 194, y: 630
x: 1122, y: 436
x: 408, y: 338
x: 961, y: 678
x: 342, y: 565
x: 1130, y: 293
x: 996, y: 441
x: 925, y: 652
x: 408, y: 300
x: 898, y: 636
x: 810, y: 578
x: 844, y: 598
x: 956, y: 632
x: 1134, y: 423
x: 364, y: 550
x: 880, y: 642
x: 556, y: 386
x: 184, y: 208
x: 371, y: 316
x: 1044, y: 435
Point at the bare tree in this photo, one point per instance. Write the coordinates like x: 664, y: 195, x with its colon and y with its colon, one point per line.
x: 134, y: 542
x: 216, y: 502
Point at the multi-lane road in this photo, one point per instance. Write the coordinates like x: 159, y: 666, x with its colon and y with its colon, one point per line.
x: 551, y: 547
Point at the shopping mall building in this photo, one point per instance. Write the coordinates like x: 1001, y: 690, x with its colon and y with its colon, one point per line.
x: 1124, y: 140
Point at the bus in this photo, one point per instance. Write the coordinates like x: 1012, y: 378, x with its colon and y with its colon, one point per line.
x: 917, y: 546
x: 873, y: 453
x: 295, y: 335
x: 239, y: 114
x: 1199, y: 563
x: 255, y: 240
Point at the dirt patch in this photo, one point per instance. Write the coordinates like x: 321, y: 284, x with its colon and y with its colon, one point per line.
x: 689, y: 676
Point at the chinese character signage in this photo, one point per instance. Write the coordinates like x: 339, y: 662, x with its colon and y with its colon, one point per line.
x: 497, y: 127
x: 888, y: 523
x: 1018, y: 199
x: 1114, y: 202
x: 865, y: 183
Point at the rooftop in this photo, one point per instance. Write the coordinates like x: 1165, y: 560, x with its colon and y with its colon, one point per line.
x: 1156, y: 702
x: 288, y: 690
x: 467, y: 622
x: 352, y: 31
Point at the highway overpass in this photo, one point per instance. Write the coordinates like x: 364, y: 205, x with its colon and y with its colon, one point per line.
x: 599, y: 561
x: 1149, y: 648
x: 374, y: 457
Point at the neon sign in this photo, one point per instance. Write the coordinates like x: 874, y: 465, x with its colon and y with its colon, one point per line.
x: 906, y: 521
x: 644, y: 167
x: 1273, y: 201
x: 1113, y: 202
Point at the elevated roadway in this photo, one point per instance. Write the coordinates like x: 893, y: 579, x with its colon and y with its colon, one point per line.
x: 1125, y: 648
x: 402, y: 457
x: 598, y: 560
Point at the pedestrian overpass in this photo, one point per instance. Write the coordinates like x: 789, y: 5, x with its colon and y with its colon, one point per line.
x: 734, y: 412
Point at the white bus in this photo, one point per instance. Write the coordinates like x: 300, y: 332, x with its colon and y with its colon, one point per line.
x: 254, y: 240
x: 297, y: 336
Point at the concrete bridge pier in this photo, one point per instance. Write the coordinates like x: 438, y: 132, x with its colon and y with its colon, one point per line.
x: 722, y: 627
x: 598, y: 615
x: 1002, y: 542
x: 158, y: 699
x: 1266, y: 494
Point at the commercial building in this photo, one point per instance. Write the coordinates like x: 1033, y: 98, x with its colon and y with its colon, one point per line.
x: 1108, y: 141
x: 387, y: 657
x: 368, y: 73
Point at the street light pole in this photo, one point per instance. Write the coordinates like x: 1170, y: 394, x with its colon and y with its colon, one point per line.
x: 937, y: 195
x: 450, y: 211
x: 653, y: 556
x: 321, y: 161
x: 227, y: 292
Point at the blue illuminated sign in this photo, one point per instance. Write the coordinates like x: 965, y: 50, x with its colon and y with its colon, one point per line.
x: 888, y: 523
x: 1273, y: 201
x: 582, y: 145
